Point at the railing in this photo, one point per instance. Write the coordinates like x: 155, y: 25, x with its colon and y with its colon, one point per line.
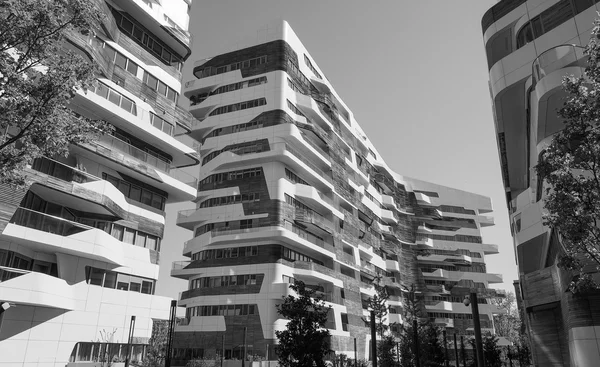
x: 189, y: 141
x: 178, y: 265
x: 47, y: 223
x: 62, y: 171
x: 7, y: 273
x: 310, y: 216
x: 289, y: 226
x: 304, y: 160
x: 112, y: 142
x: 554, y: 59
x: 315, y: 146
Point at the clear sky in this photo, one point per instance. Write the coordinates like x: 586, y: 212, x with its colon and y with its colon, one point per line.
x: 413, y: 73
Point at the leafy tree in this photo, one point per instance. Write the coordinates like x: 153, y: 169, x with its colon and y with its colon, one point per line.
x: 431, y: 348
x: 38, y: 79
x: 378, y: 303
x: 509, y: 324
x: 305, y: 341
x: 492, y: 354
x: 570, y: 166
x: 386, y: 351
x: 157, y: 346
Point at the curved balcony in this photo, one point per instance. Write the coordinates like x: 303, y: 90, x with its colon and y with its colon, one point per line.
x: 24, y: 287
x: 156, y: 172
x: 313, y: 220
x: 289, y: 233
x: 147, y: 125
x: 281, y: 151
x: 555, y: 59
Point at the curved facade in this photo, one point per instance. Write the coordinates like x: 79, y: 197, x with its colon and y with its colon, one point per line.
x: 530, y: 46
x: 79, y: 248
x: 291, y: 188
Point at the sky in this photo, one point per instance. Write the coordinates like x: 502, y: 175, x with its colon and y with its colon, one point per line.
x: 413, y: 73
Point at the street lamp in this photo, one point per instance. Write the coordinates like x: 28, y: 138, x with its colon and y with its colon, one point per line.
x: 472, y: 300
x: 3, y: 307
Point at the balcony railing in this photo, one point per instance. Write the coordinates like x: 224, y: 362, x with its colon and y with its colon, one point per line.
x: 62, y: 171
x: 554, y: 59
x: 7, y: 273
x: 47, y: 223
x: 178, y: 265
x: 310, y: 216
x: 112, y: 142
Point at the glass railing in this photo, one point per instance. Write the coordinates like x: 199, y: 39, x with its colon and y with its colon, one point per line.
x: 47, y: 223
x: 112, y: 142
x: 310, y: 216
x: 178, y: 265
x: 554, y: 59
x: 7, y: 273
x: 304, y: 160
x: 62, y: 171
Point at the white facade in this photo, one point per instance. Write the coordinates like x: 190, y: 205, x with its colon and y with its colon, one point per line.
x: 80, y: 255
x: 291, y: 188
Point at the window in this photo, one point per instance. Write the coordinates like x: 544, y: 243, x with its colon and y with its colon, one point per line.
x: 115, y: 97
x: 214, y: 70
x: 114, y: 280
x: 143, y: 37
x: 291, y: 176
x: 238, y: 106
x: 551, y: 18
x: 133, y: 191
x: 246, y: 251
x: 311, y: 67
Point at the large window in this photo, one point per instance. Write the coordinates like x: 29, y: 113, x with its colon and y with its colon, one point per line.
x: 113, y: 280
x: 115, y: 97
x: 238, y: 106
x: 196, y: 99
x: 233, y: 175
x: 145, y: 38
x: 256, y: 146
x: 226, y: 253
x: 551, y: 18
x: 224, y: 281
x: 125, y: 234
x: 221, y: 310
x: 136, y: 192
x: 311, y: 67
x: 162, y: 124
x: 212, y: 70
x: 161, y: 88
x: 231, y: 199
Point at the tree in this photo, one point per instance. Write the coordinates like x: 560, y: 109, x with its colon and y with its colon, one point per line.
x: 38, y: 79
x: 492, y: 354
x: 105, y: 355
x: 431, y: 348
x: 570, y: 166
x: 305, y: 341
x: 508, y: 324
x: 156, y: 350
x: 378, y: 303
x: 386, y: 347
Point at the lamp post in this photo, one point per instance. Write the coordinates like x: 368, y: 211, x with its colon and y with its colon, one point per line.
x: 3, y: 307
x: 373, y: 339
x: 170, y: 337
x: 472, y: 300
x: 129, y: 340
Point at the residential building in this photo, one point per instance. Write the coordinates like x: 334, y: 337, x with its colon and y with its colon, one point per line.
x: 530, y: 46
x: 290, y: 188
x: 79, y: 247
